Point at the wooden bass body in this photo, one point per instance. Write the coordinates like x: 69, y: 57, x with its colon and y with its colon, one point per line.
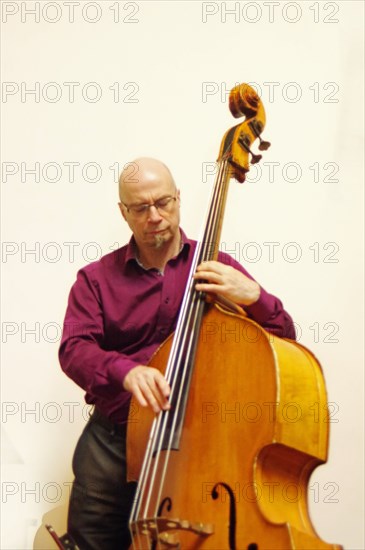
x: 256, y: 426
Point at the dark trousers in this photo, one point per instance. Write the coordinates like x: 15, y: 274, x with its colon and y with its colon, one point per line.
x: 100, y: 500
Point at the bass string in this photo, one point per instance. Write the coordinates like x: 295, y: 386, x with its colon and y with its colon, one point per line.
x: 156, y: 425
x: 211, y: 233
x: 178, y: 344
x: 213, y: 229
x: 187, y: 323
x: 184, y: 366
x: 155, y: 442
x: 188, y: 327
x: 147, y: 476
x: 190, y: 293
x: 160, y: 432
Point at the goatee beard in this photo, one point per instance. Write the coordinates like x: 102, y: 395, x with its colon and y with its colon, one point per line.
x: 159, y: 241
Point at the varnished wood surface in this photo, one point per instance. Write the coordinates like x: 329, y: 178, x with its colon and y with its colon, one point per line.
x: 252, y: 421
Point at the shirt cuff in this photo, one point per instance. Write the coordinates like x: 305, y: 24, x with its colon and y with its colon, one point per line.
x: 264, y: 309
x: 119, y: 369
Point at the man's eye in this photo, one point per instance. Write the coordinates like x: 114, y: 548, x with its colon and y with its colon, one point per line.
x: 162, y: 202
x: 141, y: 208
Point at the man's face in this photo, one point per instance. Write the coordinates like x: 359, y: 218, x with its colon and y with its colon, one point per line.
x: 152, y: 226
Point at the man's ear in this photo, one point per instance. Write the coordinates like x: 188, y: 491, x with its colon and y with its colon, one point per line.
x: 122, y: 208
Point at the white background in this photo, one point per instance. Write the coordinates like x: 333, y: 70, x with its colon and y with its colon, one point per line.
x: 173, y: 64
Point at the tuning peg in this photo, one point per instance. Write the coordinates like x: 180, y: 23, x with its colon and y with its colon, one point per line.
x: 255, y: 158
x: 264, y: 145
x: 257, y: 128
x: 244, y: 141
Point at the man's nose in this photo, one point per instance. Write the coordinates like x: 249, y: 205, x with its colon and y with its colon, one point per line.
x: 153, y: 214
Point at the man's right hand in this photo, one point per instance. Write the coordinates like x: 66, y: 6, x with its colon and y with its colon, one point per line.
x: 149, y: 387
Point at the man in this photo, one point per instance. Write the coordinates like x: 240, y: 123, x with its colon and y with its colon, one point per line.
x: 120, y: 309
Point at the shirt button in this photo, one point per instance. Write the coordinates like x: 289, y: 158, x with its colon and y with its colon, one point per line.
x: 167, y: 300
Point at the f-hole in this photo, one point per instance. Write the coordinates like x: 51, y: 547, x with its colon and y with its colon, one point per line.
x: 232, y: 513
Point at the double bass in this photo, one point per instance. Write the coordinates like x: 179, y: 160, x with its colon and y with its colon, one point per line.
x: 228, y: 466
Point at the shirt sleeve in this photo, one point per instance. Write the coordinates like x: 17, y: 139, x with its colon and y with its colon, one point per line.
x: 268, y: 311
x: 98, y: 371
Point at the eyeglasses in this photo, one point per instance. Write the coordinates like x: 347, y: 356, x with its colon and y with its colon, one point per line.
x: 164, y: 204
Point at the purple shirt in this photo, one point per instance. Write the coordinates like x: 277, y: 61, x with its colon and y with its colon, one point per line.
x: 119, y: 313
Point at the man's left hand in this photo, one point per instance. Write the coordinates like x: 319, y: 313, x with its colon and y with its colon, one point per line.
x: 228, y: 282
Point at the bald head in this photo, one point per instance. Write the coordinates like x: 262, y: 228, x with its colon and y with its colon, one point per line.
x: 150, y: 204
x: 141, y: 176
